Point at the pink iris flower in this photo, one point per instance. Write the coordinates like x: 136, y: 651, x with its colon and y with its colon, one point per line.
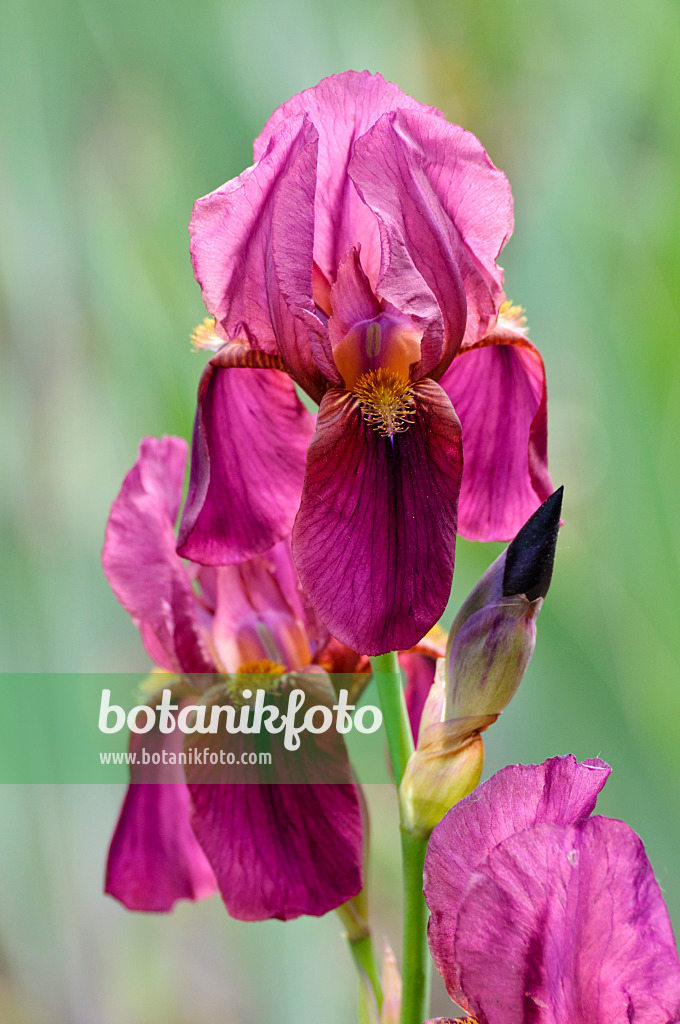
x: 272, y: 850
x: 356, y: 260
x: 542, y: 914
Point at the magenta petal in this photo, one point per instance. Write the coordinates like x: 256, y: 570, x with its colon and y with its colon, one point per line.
x: 285, y: 848
x: 281, y: 851
x: 351, y: 297
x: 247, y: 465
x: 374, y: 540
x: 560, y: 791
x: 568, y: 924
x: 499, y: 392
x: 341, y: 108
x: 445, y: 213
x: 231, y: 239
x: 419, y: 670
x: 262, y: 613
x: 139, y: 559
x: 154, y: 857
x: 251, y: 246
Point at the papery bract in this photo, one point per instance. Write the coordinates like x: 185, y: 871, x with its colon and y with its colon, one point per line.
x: 358, y: 255
x: 273, y: 850
x: 544, y: 915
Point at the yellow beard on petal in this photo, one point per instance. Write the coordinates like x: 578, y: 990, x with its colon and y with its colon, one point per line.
x: 204, y: 336
x: 386, y: 401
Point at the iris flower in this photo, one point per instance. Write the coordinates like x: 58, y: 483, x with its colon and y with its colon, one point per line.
x: 356, y: 261
x: 272, y: 850
x: 542, y: 914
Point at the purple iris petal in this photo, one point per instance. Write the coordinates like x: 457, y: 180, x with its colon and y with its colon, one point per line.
x: 374, y: 540
x: 250, y: 437
x: 231, y: 265
x: 560, y: 791
x: 285, y: 847
x: 419, y: 670
x: 352, y: 298
x: 341, y: 108
x: 445, y: 213
x: 259, y: 616
x: 154, y: 857
x: 140, y: 562
x: 567, y: 924
x: 499, y: 392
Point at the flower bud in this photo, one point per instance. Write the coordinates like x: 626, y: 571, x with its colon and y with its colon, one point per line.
x: 494, y: 634
x: 489, y: 647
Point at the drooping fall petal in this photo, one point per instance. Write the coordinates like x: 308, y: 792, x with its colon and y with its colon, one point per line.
x: 374, y: 540
x: 568, y: 924
x: 499, y: 392
x: 560, y: 791
x: 139, y: 559
x: 154, y: 857
x: 250, y: 437
x: 285, y: 839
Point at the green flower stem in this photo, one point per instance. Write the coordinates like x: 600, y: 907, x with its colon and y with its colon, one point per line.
x: 387, y: 675
x: 415, y: 1002
x: 415, y: 999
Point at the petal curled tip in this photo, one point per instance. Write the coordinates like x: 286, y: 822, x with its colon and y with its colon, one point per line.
x: 531, y: 555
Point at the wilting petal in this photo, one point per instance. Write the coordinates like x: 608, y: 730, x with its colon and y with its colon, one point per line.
x: 499, y: 392
x: 247, y: 465
x: 139, y: 559
x: 374, y: 539
x: 280, y: 848
x: 560, y: 791
x: 154, y: 858
x: 568, y: 924
x: 445, y: 213
x: 341, y: 108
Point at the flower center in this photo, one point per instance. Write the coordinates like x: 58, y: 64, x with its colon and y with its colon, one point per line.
x: 254, y: 675
x: 386, y: 401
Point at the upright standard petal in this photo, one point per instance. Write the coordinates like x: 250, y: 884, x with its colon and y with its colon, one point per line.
x: 247, y: 465
x: 255, y: 619
x: 341, y: 107
x: 560, y: 791
x: 567, y: 924
x: 139, y: 559
x: 374, y: 539
x: 230, y: 232
x: 498, y: 390
x: 283, y: 840
x: 445, y: 213
x: 154, y: 857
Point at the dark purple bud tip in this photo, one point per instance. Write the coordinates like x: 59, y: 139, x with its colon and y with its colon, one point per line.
x: 531, y: 555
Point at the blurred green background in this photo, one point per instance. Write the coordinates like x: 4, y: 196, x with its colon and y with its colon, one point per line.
x: 115, y: 117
